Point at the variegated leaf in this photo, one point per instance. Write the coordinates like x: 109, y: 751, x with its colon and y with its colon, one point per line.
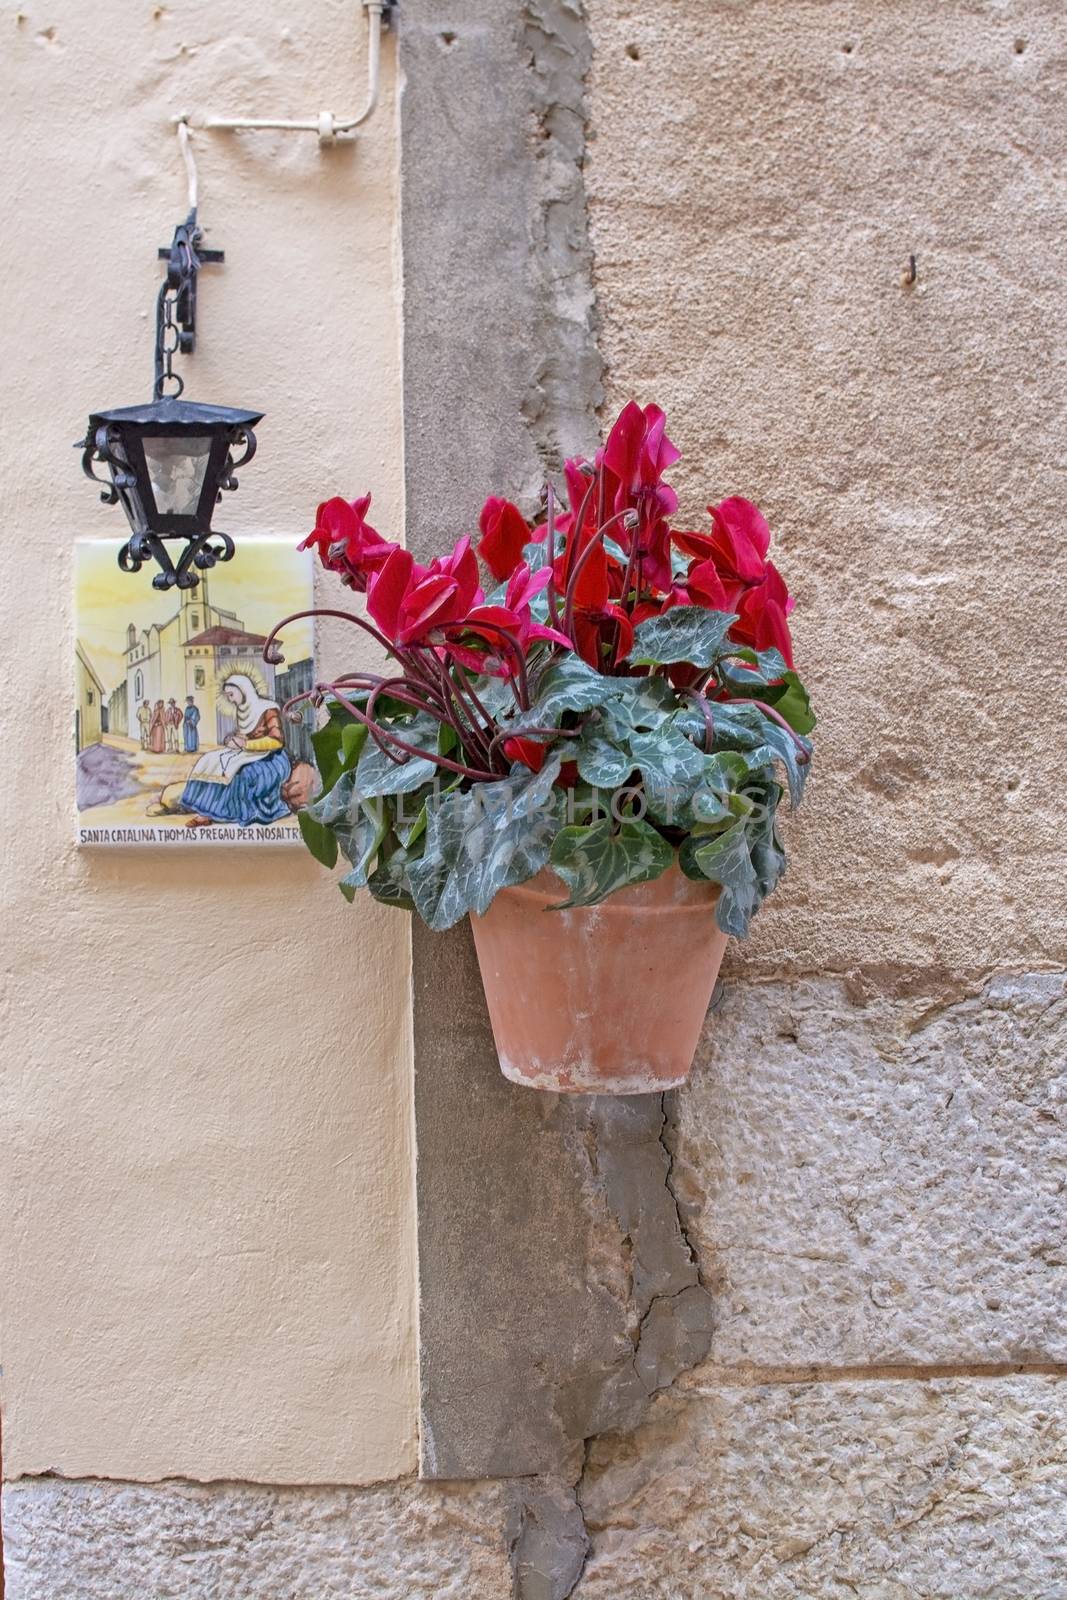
x: 484, y: 840
x: 671, y: 767
x: 725, y: 859
x: 601, y: 761
x: 360, y: 841
x: 597, y: 860
x: 389, y: 883
x: 748, y: 671
x: 568, y: 685
x: 683, y: 634
x: 378, y: 774
x: 332, y: 808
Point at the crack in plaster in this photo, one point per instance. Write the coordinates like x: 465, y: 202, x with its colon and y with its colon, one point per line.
x: 561, y: 403
x: 667, y: 1361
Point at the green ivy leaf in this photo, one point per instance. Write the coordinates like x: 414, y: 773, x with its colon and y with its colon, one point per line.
x: 359, y: 843
x: 484, y: 840
x: 792, y: 702
x: 761, y: 668
x: 334, y: 807
x: 671, y: 767
x: 786, y: 751
x: 683, y: 634
x: 596, y: 860
x: 319, y: 839
x: 353, y: 737
x: 388, y: 882
x: 765, y: 847
x: 585, y: 803
x: 377, y: 774
x: 641, y: 704
x: 601, y: 761
x: 725, y: 859
x: 326, y: 743
x: 568, y: 685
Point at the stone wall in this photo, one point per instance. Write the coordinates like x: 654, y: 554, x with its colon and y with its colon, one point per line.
x: 870, y: 1155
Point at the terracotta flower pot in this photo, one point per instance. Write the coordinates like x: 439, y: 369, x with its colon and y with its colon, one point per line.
x: 606, y: 999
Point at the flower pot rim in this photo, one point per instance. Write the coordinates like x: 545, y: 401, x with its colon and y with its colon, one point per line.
x: 625, y: 899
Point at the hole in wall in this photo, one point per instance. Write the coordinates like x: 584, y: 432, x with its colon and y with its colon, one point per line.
x: 447, y: 38
x: 1019, y: 46
x: 847, y: 49
x: 633, y: 52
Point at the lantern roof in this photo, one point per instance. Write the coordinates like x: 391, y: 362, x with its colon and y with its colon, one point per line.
x: 172, y: 412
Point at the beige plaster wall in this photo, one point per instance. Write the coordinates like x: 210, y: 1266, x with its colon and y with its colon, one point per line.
x: 759, y: 174
x: 208, y: 1231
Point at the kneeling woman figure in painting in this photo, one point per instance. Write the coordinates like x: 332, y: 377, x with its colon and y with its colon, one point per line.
x: 241, y: 782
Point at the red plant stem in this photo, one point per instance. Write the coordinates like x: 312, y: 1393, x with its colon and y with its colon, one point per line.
x: 413, y: 657
x: 550, y: 553
x: 359, y: 680
x: 406, y: 689
x: 516, y: 653
x: 395, y: 687
x: 473, y: 709
x: 576, y: 530
x: 406, y: 658
x: 803, y: 753
x: 630, y: 560
x: 413, y: 750
x: 345, y: 616
x: 572, y: 584
x: 557, y: 733
x: 463, y: 721
x: 472, y: 696
x: 704, y: 706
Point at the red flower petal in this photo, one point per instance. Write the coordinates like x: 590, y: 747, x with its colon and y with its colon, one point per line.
x: 429, y: 604
x: 706, y: 587
x: 747, y: 519
x: 528, y: 751
x: 387, y: 589
x: 504, y: 534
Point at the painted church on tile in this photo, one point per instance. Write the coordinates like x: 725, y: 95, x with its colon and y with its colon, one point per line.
x: 190, y: 654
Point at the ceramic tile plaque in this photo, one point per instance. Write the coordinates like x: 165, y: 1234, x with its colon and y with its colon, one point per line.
x: 178, y: 731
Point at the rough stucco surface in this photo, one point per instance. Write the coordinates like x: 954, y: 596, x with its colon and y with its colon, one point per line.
x: 758, y: 178
x: 890, y: 1491
x: 208, y: 1237
x: 406, y: 1541
x: 870, y: 1180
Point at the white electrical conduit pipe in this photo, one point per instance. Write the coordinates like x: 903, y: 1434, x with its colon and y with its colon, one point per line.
x: 326, y: 125
x: 190, y: 161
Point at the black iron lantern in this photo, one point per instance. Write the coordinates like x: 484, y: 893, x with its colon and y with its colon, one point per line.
x: 169, y: 461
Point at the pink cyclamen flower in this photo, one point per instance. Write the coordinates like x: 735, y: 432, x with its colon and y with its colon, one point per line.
x: 408, y: 602
x: 514, y: 617
x: 346, y: 542
x: 731, y: 572
x: 504, y: 535
x: 637, y: 452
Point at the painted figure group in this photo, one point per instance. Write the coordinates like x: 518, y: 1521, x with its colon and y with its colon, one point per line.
x: 161, y: 724
x: 241, y: 781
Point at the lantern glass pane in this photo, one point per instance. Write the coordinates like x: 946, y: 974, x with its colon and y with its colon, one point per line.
x: 176, y: 468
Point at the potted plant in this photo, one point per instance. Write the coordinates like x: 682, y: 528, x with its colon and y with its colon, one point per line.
x: 586, y: 758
